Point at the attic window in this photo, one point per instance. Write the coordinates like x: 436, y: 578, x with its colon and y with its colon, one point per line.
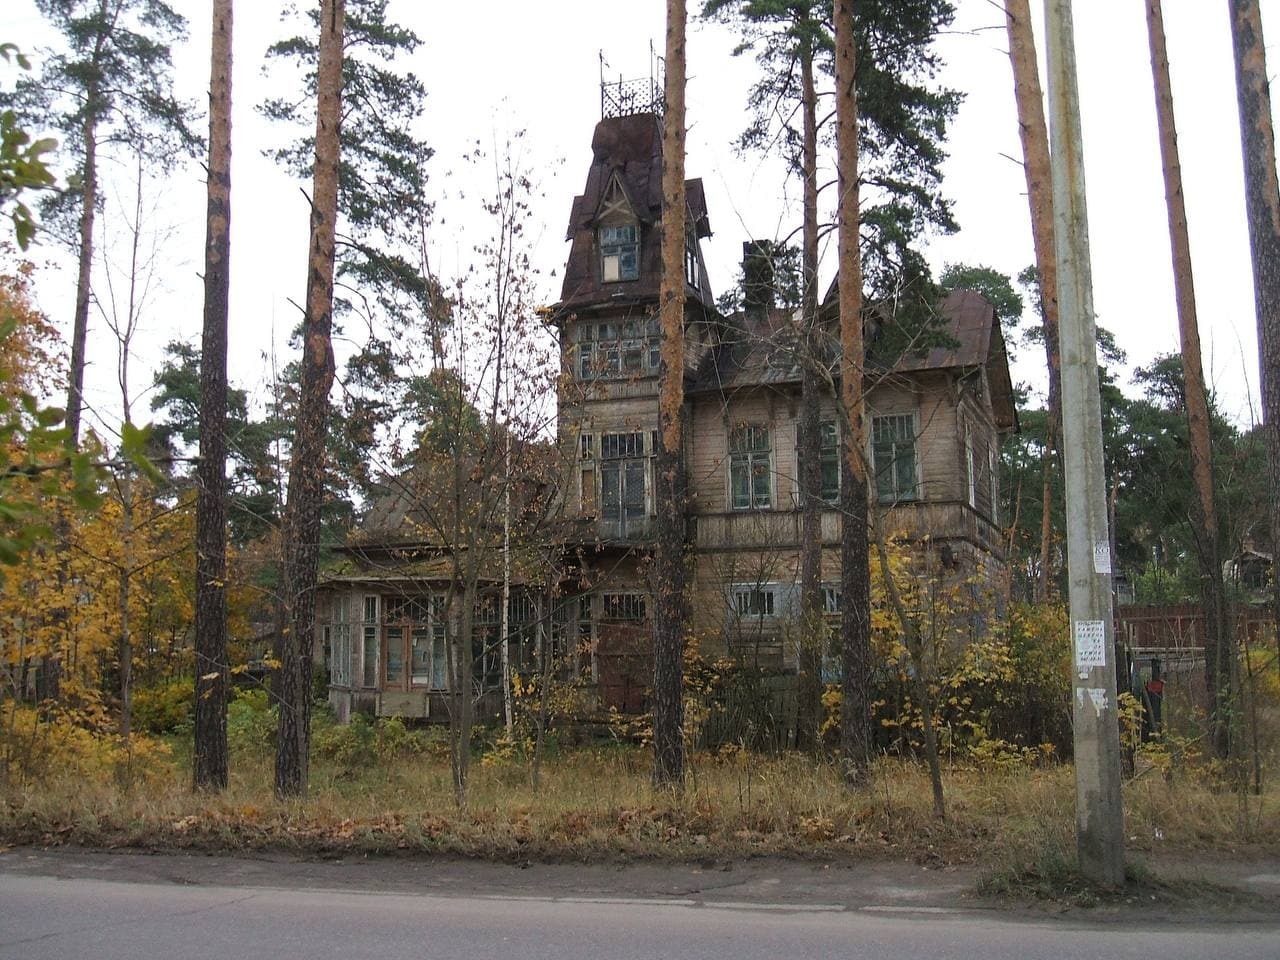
x: 619, y: 252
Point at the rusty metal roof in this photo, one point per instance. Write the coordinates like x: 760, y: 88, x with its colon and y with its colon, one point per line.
x: 968, y: 320
x: 756, y: 352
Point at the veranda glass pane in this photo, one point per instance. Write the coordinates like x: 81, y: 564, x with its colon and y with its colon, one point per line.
x: 420, y: 645
x: 439, y: 660
x: 369, y: 675
x: 395, y: 657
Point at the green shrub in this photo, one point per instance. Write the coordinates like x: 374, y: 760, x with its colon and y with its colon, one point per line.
x: 363, y: 743
x: 251, y: 721
x: 165, y: 707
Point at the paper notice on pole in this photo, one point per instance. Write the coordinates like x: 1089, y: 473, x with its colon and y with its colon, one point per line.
x: 1091, y: 645
x: 1102, y: 556
x: 1094, y: 696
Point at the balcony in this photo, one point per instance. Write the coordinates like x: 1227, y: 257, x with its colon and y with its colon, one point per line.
x: 776, y: 529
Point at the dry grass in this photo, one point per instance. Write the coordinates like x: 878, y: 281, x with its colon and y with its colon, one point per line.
x: 599, y: 804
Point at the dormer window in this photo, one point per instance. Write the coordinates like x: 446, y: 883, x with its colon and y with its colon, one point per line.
x: 618, y: 234
x: 619, y: 252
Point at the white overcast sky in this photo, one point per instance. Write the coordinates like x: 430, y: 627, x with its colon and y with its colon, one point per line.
x: 510, y: 64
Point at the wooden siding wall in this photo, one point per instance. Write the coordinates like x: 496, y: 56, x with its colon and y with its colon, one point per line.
x: 708, y: 452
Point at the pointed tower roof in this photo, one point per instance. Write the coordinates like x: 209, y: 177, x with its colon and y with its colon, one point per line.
x: 626, y: 151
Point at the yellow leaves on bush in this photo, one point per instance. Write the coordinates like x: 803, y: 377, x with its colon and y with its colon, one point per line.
x: 35, y: 750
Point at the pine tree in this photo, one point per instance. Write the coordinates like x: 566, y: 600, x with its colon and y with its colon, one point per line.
x: 855, y: 565
x: 209, y: 765
x: 668, y: 558
x: 1262, y: 203
x: 903, y: 113
x: 1034, y: 134
x: 306, y: 471
x: 382, y: 175
x: 112, y: 83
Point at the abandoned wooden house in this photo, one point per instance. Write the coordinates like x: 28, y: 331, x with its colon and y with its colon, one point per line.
x: 936, y: 418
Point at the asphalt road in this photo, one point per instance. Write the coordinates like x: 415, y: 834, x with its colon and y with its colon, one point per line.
x: 63, y: 916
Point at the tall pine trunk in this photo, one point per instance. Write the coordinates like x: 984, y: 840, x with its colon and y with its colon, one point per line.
x: 209, y: 766
x: 855, y: 566
x: 306, y: 467
x: 1034, y: 134
x: 812, y: 634
x: 51, y: 668
x: 1262, y: 201
x: 1217, y: 639
x: 668, y: 554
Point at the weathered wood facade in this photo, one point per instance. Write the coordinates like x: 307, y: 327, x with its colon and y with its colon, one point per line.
x: 936, y: 420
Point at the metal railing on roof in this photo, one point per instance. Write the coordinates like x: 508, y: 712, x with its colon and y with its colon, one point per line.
x: 625, y: 98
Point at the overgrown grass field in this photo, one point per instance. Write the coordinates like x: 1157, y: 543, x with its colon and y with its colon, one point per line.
x: 379, y: 788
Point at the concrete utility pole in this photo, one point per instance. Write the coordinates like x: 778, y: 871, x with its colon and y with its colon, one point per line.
x: 1099, y: 816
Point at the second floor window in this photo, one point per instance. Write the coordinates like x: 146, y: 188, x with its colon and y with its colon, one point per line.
x: 610, y: 350
x: 893, y: 448
x: 623, y: 468
x: 619, y: 252
x: 829, y: 461
x: 750, y: 474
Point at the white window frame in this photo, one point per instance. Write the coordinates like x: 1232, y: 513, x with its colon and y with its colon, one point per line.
x: 338, y: 631
x: 770, y: 602
x: 750, y: 458
x: 993, y: 454
x: 691, y: 271
x: 617, y: 241
x: 437, y: 675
